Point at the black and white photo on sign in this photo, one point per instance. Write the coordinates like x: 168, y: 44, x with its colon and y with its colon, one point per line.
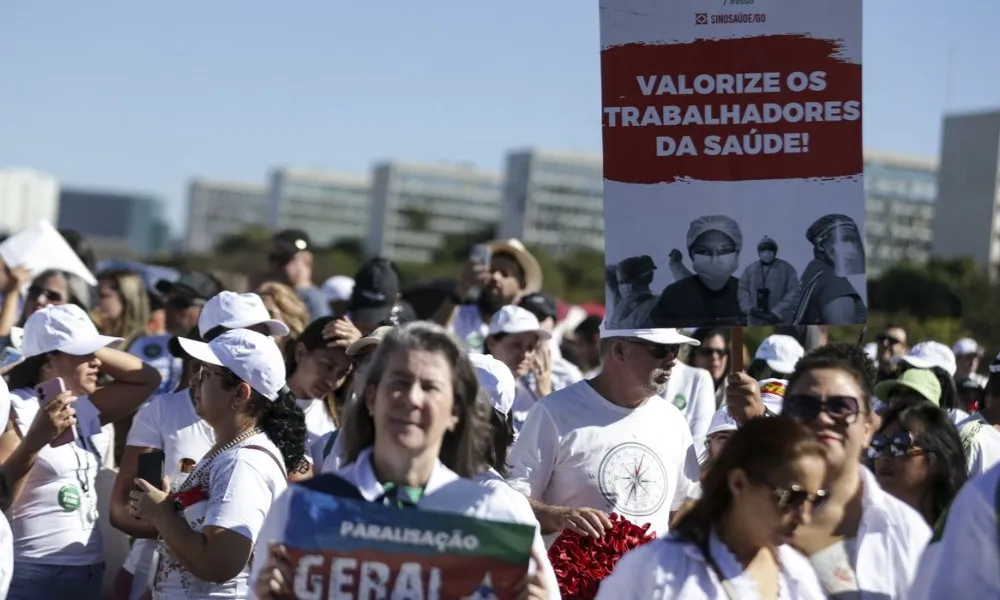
x: 756, y: 253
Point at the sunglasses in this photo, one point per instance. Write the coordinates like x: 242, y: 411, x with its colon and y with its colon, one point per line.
x: 657, y: 351
x: 182, y: 303
x: 901, y: 444
x: 795, y: 497
x: 807, y: 408
x: 712, y: 352
x: 37, y: 291
x: 887, y: 340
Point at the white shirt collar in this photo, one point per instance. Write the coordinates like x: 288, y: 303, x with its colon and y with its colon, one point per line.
x: 370, y: 488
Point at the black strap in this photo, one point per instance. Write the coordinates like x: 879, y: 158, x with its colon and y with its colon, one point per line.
x: 334, y: 485
x: 328, y: 448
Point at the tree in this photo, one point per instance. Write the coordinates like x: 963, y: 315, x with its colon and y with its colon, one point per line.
x: 254, y: 238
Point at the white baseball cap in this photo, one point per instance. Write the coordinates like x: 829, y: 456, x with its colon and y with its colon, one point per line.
x: 236, y: 311
x: 64, y: 328
x: 254, y: 358
x: 722, y: 421
x: 926, y: 355
x: 781, y: 352
x: 338, y: 288
x: 966, y: 346
x: 497, y: 380
x: 655, y: 336
x: 514, y: 319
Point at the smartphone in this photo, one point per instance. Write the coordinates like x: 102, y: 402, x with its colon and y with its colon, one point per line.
x: 46, y: 391
x: 151, y: 467
x: 481, y: 254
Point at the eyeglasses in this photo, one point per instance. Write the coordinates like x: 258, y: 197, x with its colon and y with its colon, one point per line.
x: 887, y: 340
x: 901, y: 444
x: 657, y: 351
x: 712, y: 352
x: 806, y: 408
x: 37, y: 291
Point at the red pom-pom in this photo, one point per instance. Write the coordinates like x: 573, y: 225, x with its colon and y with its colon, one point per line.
x: 582, y: 562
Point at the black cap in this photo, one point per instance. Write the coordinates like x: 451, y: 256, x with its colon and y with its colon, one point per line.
x: 634, y: 267
x: 543, y: 306
x: 286, y: 243
x: 376, y: 288
x: 192, y: 284
x: 174, y: 346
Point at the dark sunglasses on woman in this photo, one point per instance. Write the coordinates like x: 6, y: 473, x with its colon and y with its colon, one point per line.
x: 712, y: 352
x: 901, y: 444
x: 807, y: 408
x: 794, y: 496
x: 37, y: 291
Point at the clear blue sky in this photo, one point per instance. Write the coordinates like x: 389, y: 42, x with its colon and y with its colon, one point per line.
x: 143, y: 96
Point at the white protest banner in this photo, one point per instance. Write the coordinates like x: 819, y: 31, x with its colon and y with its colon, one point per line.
x: 733, y: 190
x: 41, y: 248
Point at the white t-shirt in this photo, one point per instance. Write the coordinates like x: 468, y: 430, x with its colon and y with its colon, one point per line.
x: 981, y: 443
x: 54, y: 521
x: 318, y: 424
x: 469, y: 327
x: 168, y: 422
x: 155, y: 351
x: 963, y: 563
x: 241, y: 484
x: 579, y: 450
x: 445, y: 492
x: 669, y: 569
x: 692, y: 391
x: 524, y: 400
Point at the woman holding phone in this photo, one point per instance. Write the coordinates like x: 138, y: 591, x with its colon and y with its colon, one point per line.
x: 51, y: 449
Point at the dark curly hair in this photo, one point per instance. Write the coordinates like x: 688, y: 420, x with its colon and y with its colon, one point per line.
x: 849, y: 358
x: 282, y: 421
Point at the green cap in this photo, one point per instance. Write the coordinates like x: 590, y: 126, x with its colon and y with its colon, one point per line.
x: 921, y: 381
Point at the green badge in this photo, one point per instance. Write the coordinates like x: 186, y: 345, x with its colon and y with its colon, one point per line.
x: 680, y: 401
x: 475, y: 341
x: 152, y: 351
x: 69, y: 498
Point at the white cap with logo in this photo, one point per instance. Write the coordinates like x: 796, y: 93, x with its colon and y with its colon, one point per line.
x: 64, y: 328
x: 664, y: 336
x: 926, y: 355
x: 781, y: 352
x: 254, y: 358
x: 514, y: 319
x: 236, y: 311
x: 497, y: 380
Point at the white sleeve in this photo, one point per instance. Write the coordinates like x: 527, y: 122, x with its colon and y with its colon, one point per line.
x: 703, y: 404
x: 984, y: 452
x: 533, y: 456
x: 635, y: 577
x: 239, y: 492
x: 963, y: 563
x: 688, y: 474
x: 145, y: 430
x: 273, y: 530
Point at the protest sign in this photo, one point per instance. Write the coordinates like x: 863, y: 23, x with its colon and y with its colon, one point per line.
x: 733, y: 190
x: 346, y: 548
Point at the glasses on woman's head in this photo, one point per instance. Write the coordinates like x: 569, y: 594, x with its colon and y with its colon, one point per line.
x: 807, y: 408
x: 657, y: 351
x: 712, y: 352
x: 37, y: 291
x: 901, y: 444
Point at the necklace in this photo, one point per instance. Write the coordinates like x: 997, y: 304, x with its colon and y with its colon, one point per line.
x: 194, y: 477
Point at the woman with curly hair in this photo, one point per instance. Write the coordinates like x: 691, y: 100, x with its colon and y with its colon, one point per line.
x: 209, y: 526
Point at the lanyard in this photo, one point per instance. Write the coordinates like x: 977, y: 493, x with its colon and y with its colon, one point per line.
x: 401, y: 496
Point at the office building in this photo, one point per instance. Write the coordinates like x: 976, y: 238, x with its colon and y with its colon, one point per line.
x: 967, y: 223
x: 900, y: 194
x: 118, y: 224
x: 554, y: 200
x: 26, y: 198
x: 217, y: 209
x: 415, y: 207
x: 329, y: 207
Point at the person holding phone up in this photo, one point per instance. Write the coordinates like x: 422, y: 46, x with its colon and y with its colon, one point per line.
x: 50, y: 449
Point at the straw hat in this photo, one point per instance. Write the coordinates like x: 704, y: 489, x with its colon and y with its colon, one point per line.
x: 532, y: 271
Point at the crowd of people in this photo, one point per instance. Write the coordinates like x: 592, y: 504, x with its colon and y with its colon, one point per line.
x: 822, y: 470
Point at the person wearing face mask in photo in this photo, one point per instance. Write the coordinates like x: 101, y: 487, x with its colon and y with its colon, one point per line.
x: 825, y: 295
x: 710, y: 296
x: 637, y: 301
x: 768, y: 287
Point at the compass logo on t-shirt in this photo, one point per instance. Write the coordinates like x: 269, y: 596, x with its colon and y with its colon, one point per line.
x: 633, y: 480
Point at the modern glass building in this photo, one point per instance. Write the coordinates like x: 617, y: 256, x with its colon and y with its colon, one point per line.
x: 116, y: 220
x: 330, y: 207
x: 217, y: 209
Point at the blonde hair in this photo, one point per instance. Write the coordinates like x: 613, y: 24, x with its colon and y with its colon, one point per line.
x: 135, y: 305
x: 294, y: 312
